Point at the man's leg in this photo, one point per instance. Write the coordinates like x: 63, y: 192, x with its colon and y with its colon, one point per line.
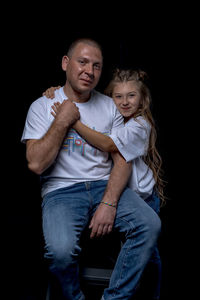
x: 65, y: 215
x: 140, y: 227
x: 151, y: 279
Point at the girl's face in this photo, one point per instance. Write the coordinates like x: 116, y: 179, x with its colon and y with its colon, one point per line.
x: 127, y: 98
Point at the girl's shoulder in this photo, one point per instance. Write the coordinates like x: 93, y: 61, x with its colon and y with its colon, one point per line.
x: 139, y: 122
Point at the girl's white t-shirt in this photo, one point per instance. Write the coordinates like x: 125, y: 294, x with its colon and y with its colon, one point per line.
x: 77, y: 161
x: 132, y: 142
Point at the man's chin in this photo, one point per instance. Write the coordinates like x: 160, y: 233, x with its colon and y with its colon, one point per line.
x: 85, y: 88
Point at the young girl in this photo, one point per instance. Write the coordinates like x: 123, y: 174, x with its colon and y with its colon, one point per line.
x: 136, y: 142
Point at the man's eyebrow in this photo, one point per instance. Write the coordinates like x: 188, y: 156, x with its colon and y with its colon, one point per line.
x: 87, y: 59
x: 82, y: 57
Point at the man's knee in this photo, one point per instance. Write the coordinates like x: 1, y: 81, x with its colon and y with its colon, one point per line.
x: 153, y: 224
x: 65, y: 255
x: 148, y: 224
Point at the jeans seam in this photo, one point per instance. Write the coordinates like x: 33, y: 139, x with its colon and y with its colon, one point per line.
x: 125, y: 255
x: 129, y: 223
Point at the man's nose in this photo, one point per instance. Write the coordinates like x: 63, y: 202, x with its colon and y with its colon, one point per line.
x: 89, y: 70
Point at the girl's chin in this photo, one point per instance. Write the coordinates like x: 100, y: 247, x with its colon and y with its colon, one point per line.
x: 126, y: 114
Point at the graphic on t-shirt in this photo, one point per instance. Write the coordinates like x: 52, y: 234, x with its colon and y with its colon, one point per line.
x: 74, y: 142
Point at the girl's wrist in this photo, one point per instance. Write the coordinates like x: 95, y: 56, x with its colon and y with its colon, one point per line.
x: 75, y: 125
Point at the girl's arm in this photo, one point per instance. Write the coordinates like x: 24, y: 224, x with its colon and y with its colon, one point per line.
x: 97, y: 139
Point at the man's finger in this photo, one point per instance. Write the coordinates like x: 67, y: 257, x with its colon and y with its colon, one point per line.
x: 94, y: 231
x: 99, y: 230
x: 110, y: 227
x: 105, y: 230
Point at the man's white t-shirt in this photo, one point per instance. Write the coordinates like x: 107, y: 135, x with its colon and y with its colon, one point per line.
x: 77, y: 160
x: 132, y: 142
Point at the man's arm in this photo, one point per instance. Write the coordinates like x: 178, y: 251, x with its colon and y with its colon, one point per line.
x: 104, y: 217
x: 41, y: 153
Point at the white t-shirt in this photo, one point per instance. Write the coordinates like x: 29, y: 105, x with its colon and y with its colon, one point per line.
x: 132, y: 142
x: 77, y: 160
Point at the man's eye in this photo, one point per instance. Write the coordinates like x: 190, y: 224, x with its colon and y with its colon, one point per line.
x: 97, y: 67
x: 81, y: 62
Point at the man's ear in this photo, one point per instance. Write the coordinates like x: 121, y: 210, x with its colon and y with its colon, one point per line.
x: 65, y: 61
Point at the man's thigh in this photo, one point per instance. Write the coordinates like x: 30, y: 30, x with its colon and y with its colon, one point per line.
x: 65, y: 215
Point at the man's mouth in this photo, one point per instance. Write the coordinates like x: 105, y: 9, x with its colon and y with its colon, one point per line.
x: 86, y: 80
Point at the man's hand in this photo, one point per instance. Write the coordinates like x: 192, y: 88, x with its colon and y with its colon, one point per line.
x: 103, y: 220
x: 104, y: 217
x: 66, y: 113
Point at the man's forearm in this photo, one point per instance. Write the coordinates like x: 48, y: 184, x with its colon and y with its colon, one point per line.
x: 42, y: 153
x: 104, y: 217
x: 118, y: 179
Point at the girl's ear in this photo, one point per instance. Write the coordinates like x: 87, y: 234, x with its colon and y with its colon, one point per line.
x: 65, y: 61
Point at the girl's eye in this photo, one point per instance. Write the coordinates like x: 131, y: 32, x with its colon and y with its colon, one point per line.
x: 131, y: 95
x: 118, y: 96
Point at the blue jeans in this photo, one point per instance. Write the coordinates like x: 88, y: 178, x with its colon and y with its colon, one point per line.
x: 67, y: 212
x: 151, y: 279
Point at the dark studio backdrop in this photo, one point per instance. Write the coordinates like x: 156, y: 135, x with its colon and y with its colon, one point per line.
x: 36, y: 46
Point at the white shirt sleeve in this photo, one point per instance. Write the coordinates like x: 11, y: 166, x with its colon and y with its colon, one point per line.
x: 132, y: 140
x: 37, y: 123
x: 118, y: 121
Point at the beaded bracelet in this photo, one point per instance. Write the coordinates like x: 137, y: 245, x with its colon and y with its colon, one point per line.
x: 109, y: 204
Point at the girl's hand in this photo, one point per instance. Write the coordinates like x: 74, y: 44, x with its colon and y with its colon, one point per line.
x: 55, y: 107
x: 49, y: 93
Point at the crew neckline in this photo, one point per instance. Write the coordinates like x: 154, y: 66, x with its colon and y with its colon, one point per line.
x: 79, y: 103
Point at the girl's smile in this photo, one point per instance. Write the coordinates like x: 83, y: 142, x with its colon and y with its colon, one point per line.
x: 127, y: 97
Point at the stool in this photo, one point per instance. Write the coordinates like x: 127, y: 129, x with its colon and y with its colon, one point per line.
x: 97, y: 261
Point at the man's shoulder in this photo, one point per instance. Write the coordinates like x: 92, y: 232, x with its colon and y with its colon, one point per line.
x: 45, y: 102
x: 38, y: 102
x: 101, y: 96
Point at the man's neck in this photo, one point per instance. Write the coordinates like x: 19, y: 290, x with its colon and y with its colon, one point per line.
x: 76, y: 96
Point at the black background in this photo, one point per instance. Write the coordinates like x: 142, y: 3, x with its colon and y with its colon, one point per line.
x: 159, y: 40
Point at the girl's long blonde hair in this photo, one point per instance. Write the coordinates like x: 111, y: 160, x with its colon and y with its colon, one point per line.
x: 153, y: 158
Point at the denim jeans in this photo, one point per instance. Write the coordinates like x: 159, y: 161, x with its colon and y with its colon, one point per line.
x: 151, y: 279
x: 67, y: 212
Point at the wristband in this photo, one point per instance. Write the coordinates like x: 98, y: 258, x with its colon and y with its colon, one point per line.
x: 109, y: 204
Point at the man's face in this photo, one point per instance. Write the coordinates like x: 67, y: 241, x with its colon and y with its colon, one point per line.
x: 83, y: 68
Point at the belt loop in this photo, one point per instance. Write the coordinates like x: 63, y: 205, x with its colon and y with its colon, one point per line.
x: 87, y: 185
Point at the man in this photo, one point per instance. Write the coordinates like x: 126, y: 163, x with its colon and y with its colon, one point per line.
x: 79, y: 185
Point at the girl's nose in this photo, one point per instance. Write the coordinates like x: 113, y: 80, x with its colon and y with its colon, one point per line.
x: 125, y: 101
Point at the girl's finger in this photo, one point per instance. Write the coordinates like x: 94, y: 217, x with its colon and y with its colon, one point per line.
x: 53, y: 114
